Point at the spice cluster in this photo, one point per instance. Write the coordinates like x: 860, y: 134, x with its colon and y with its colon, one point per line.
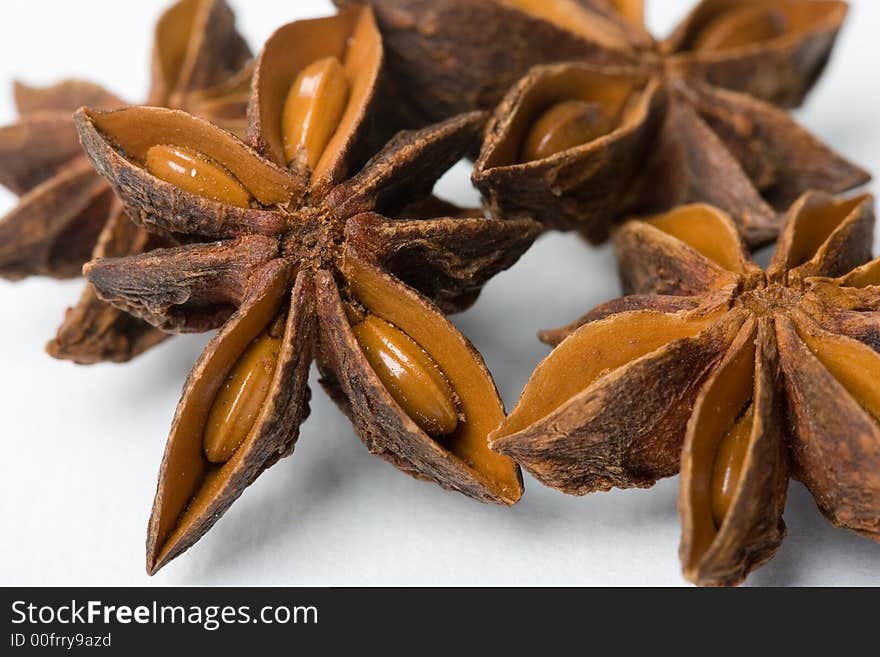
x: 286, y: 201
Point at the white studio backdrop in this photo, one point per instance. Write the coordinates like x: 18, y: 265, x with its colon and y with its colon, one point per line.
x: 81, y: 446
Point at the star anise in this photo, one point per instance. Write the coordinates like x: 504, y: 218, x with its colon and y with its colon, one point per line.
x: 66, y: 214
x: 620, y: 123
x: 304, y: 267
x: 737, y: 376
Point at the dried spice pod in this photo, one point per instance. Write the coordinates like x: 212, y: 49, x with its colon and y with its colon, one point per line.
x: 733, y: 465
x: 226, y: 103
x: 455, y: 56
x: 307, y: 260
x: 459, y: 55
x: 94, y: 331
x: 773, y: 50
x: 700, y: 124
x: 695, y: 251
x: 728, y: 372
x: 667, y: 142
x: 63, y: 203
x: 66, y: 215
x: 447, y: 260
x: 580, y: 177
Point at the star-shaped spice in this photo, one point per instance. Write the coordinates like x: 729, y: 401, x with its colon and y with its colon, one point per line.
x: 67, y: 214
x: 740, y: 377
x: 308, y: 262
x: 617, y: 123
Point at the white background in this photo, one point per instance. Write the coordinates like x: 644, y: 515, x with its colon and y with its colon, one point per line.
x: 81, y: 446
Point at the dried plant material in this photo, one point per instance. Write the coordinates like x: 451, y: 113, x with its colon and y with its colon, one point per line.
x: 66, y: 213
x: 451, y: 56
x: 581, y: 184
x: 650, y: 125
x: 689, y: 121
x: 458, y: 55
x: 734, y: 376
x: 300, y: 262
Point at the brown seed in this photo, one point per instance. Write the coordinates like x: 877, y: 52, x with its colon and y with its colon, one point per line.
x: 728, y: 466
x: 410, y: 375
x: 194, y: 172
x: 238, y: 403
x: 741, y: 28
x: 565, y: 125
x: 313, y: 109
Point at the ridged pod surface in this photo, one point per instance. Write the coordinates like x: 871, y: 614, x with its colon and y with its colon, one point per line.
x: 302, y: 249
x: 735, y: 377
x: 67, y: 214
x: 698, y: 117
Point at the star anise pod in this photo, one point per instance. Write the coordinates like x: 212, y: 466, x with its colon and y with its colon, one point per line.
x: 66, y: 214
x: 306, y: 265
x: 740, y: 378
x: 620, y: 123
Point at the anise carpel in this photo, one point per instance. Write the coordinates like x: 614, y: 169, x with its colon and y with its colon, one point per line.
x: 67, y: 214
x: 739, y: 378
x: 610, y: 122
x: 305, y: 264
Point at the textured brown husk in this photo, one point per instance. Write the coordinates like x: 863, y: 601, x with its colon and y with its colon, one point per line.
x: 691, y: 164
x: 753, y: 528
x: 379, y: 422
x: 186, y: 288
x: 54, y: 227
x: 52, y: 232
x: 585, y: 183
x: 835, y: 443
x: 624, y: 430
x: 780, y: 157
x: 289, y: 50
x: 207, y: 54
x: 407, y: 167
x: 342, y: 252
x: 712, y: 132
x: 93, y: 331
x: 653, y: 262
x: 158, y: 205
x: 274, y: 435
x: 456, y: 56
x: 50, y: 134
x: 781, y: 71
x: 814, y: 409
x: 448, y: 260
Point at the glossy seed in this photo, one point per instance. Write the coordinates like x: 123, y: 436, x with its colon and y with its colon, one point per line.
x: 740, y: 28
x: 313, y: 109
x: 413, y: 378
x: 565, y: 125
x: 727, y: 470
x: 194, y: 172
x: 238, y: 403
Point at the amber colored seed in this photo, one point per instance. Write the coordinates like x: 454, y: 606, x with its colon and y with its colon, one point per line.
x: 741, y: 28
x: 413, y: 378
x: 194, y: 172
x: 565, y: 125
x: 728, y: 466
x: 313, y: 109
x: 238, y: 403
